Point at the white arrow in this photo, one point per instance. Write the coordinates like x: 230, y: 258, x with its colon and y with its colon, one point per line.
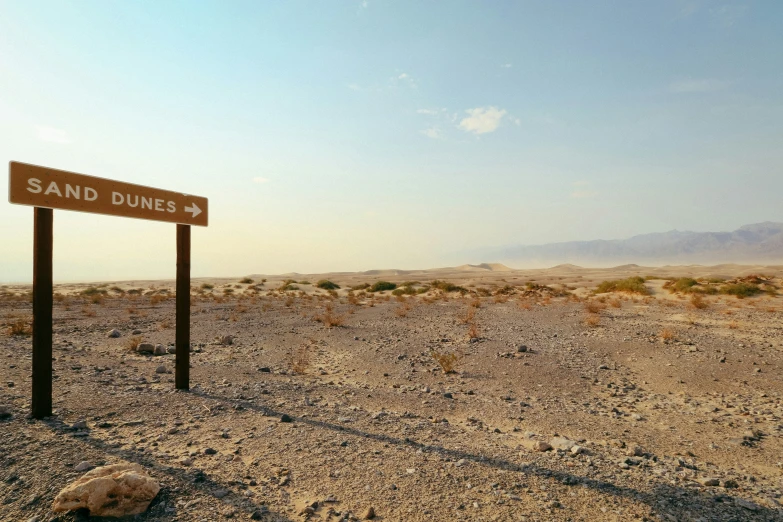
x: 194, y: 209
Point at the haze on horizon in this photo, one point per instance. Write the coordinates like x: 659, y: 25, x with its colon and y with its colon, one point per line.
x: 357, y: 135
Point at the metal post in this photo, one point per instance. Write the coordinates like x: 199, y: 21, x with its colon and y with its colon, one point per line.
x: 182, y: 377
x: 42, y: 313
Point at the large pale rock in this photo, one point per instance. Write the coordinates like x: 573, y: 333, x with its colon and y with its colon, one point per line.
x: 109, y: 491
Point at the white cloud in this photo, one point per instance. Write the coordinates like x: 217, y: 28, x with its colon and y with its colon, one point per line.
x: 353, y: 86
x: 696, y: 85
x: 405, y: 78
x: 363, y: 5
x: 506, y: 65
x: 260, y: 180
x: 432, y: 132
x: 516, y: 121
x: 429, y: 112
x: 52, y: 135
x: 482, y: 120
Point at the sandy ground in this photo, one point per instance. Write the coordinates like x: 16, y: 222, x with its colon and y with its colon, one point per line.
x: 676, y: 410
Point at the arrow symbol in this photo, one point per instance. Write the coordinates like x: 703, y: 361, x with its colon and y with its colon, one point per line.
x: 194, y: 210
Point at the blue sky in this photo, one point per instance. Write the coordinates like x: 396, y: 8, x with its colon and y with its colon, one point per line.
x: 357, y: 135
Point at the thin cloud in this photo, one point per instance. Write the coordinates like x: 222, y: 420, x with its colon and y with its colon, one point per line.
x: 52, y: 135
x: 405, y: 78
x: 260, y: 180
x: 353, y: 86
x: 428, y: 112
x: 482, y: 120
x: 694, y: 85
x: 432, y: 132
x: 506, y: 65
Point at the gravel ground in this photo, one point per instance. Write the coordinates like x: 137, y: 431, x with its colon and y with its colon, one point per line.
x: 675, y: 412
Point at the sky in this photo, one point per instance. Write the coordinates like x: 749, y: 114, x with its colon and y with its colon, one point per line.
x: 357, y: 135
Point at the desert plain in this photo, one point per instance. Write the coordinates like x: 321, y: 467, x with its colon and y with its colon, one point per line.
x: 475, y: 393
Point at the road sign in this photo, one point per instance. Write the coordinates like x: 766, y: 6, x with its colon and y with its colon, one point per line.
x: 50, y: 188
x: 46, y: 189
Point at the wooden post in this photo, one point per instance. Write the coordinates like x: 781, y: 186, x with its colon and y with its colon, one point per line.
x: 182, y: 377
x: 42, y: 313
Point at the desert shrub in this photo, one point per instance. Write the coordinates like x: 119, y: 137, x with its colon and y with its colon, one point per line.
x: 228, y: 291
x: 447, y: 287
x: 505, y: 290
x: 327, y: 285
x: 288, y: 286
x: 468, y: 316
x: 117, y: 290
x: 87, y: 311
x: 96, y: 299
x: 615, y: 303
x: 207, y: 286
x: 93, y: 291
x: 593, y: 307
x: 134, y: 291
x: 133, y: 343
x: 740, y: 290
x: 363, y: 286
x: 697, y: 301
x: 246, y: 281
x: 734, y: 325
x: 19, y: 327
x: 329, y: 318
x: 157, y: 299
x: 592, y: 320
x: 473, y: 331
x: 666, y: 334
x: 381, y: 286
x: 633, y: 285
x: 300, y: 358
x: 448, y: 360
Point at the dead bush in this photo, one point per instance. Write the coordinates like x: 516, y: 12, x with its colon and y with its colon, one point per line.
x: 473, y: 331
x: 666, y: 335
x: 133, y: 343
x: 698, y: 302
x: 448, y: 360
x: 593, y: 306
x: 300, y: 358
x: 468, y: 316
x: 20, y: 327
x: 329, y: 318
x: 592, y: 320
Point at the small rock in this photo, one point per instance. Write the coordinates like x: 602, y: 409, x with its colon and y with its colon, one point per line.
x: 265, y: 369
x: 210, y: 451
x: 227, y: 340
x: 220, y: 493
x: 448, y: 395
x: 114, y: 333
x: 79, y: 425
x: 522, y: 348
x: 562, y: 443
x: 187, y: 461
x: 171, y: 349
x: 708, y: 481
x: 5, y: 412
x: 577, y: 450
x: 286, y: 418
x: 146, y: 348
x: 160, y: 349
x: 136, y: 332
x: 160, y: 369
x: 83, y: 466
x: 370, y: 513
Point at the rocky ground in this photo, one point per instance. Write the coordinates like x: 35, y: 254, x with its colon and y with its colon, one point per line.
x: 656, y: 410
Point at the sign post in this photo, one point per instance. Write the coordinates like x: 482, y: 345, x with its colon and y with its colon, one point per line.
x: 47, y: 189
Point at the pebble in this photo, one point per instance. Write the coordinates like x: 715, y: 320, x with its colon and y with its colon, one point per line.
x: 79, y: 425
x: 136, y: 332
x: 370, y: 513
x: 114, y: 333
x: 227, y: 340
x: 83, y: 466
x: 286, y: 418
x: 522, y: 348
x: 160, y: 369
x: 708, y: 481
x: 146, y: 348
x: 160, y: 349
x: 5, y: 412
x: 210, y: 451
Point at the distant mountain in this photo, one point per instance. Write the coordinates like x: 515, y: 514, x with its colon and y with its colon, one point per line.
x: 757, y: 243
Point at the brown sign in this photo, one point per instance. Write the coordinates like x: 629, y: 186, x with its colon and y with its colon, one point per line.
x: 51, y: 188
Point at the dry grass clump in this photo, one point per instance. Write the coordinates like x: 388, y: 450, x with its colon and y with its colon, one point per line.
x: 473, y: 331
x: 734, y: 325
x: 20, y: 327
x: 300, y: 358
x: 593, y: 307
x: 325, y: 284
x: 87, y: 311
x: 329, y: 318
x: 133, y: 343
x: 666, y: 335
x: 525, y: 305
x: 404, y: 308
x: 164, y: 325
x: 157, y: 299
x: 448, y: 360
x: 476, y: 303
x: 246, y: 281
x: 698, y: 302
x: 592, y: 320
x: 468, y: 316
x: 615, y: 303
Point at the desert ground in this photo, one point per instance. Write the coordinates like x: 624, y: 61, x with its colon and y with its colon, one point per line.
x: 656, y: 398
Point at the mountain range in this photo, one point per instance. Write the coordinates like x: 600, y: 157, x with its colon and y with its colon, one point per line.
x: 755, y: 243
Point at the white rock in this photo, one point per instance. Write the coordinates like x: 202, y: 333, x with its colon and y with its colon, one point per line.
x: 109, y: 491
x: 114, y: 333
x: 83, y: 466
